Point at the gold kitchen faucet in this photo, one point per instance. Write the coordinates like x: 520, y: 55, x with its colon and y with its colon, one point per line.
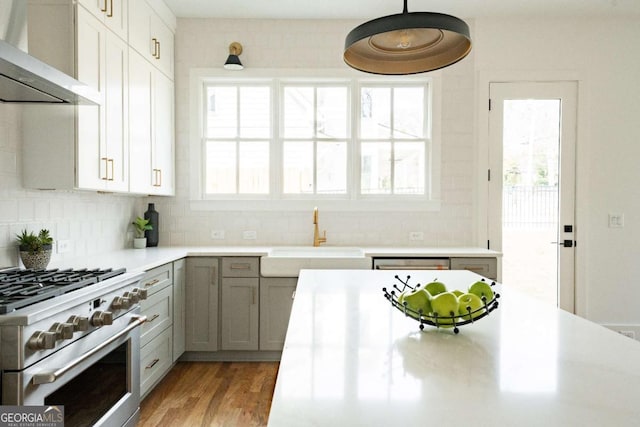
x: 317, y: 240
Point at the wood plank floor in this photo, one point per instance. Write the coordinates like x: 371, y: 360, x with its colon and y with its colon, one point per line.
x: 211, y: 394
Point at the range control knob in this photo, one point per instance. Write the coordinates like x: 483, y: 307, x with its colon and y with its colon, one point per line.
x: 133, y: 297
x: 63, y: 331
x: 121, y: 303
x: 142, y: 293
x: 102, y: 318
x: 80, y: 324
x: 42, y: 340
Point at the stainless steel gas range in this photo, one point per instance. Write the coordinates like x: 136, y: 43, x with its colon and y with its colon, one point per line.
x: 72, y: 338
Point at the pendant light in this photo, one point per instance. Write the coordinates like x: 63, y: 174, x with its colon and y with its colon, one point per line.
x: 407, y: 43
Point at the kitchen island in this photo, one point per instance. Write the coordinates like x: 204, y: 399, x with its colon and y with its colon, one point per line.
x: 351, y: 359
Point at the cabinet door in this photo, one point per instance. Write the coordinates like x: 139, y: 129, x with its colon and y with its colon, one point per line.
x: 102, y: 142
x: 202, y: 304
x: 116, y: 113
x: 276, y: 300
x: 90, y: 144
x: 151, y: 37
x: 179, y: 276
x: 240, y: 313
x: 163, y: 177
x: 141, y: 75
x: 112, y: 13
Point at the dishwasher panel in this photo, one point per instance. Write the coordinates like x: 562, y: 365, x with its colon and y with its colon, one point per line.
x: 411, y: 264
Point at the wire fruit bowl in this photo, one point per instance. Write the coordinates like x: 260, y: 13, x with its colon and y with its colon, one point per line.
x: 433, y: 319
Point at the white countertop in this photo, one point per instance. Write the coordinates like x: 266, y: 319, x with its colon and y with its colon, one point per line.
x: 350, y: 359
x: 144, y: 259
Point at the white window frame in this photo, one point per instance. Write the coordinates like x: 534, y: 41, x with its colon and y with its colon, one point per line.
x: 275, y: 200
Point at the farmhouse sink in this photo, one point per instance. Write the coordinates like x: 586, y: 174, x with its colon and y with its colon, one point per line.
x: 288, y: 261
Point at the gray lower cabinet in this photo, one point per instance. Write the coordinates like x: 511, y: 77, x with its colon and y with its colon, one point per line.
x: 276, y: 300
x: 201, y: 304
x: 156, y: 334
x: 487, y: 267
x: 240, y: 303
x: 179, y: 312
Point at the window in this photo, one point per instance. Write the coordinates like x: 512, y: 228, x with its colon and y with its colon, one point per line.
x: 237, y: 139
x: 314, y: 139
x: 310, y: 138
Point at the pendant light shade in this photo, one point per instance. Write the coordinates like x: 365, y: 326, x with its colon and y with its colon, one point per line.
x: 407, y: 43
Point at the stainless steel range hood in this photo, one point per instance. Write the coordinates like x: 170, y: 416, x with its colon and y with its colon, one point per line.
x: 25, y: 79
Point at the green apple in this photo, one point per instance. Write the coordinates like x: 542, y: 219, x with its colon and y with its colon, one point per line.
x: 446, y: 305
x: 457, y: 292
x: 417, y: 299
x: 469, y: 303
x: 482, y: 289
x: 435, y: 288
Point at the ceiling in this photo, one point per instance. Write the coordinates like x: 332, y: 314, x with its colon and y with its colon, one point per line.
x: 367, y: 9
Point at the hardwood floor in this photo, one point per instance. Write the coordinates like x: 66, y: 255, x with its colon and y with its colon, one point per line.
x: 211, y: 394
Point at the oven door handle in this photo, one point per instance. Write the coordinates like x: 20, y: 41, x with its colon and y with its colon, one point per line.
x: 50, y: 377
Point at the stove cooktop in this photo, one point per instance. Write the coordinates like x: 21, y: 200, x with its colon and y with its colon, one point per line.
x: 20, y: 288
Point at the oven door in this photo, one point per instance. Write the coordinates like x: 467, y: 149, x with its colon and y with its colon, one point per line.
x: 96, y: 378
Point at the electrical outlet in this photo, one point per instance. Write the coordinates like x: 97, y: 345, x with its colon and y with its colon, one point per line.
x: 63, y: 246
x: 217, y: 234
x: 416, y: 235
x: 616, y: 220
x: 629, y: 334
x: 249, y: 235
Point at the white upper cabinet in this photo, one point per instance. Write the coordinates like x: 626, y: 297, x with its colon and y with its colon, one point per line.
x: 112, y: 13
x: 151, y: 140
x: 151, y: 36
x: 78, y: 147
x: 102, y: 150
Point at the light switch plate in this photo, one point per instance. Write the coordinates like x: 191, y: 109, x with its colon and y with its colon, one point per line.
x: 416, y: 235
x: 63, y: 246
x: 217, y: 234
x: 616, y: 220
x: 249, y: 235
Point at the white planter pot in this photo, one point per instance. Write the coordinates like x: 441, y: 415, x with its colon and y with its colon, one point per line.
x: 140, y: 242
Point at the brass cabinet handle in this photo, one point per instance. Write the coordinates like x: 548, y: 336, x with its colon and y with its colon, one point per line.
x: 110, y: 14
x: 241, y: 266
x: 106, y: 169
x: 253, y: 296
x: 152, y: 364
x: 151, y: 283
x: 154, y: 317
x: 104, y: 8
x: 155, y: 47
x: 158, y: 49
x: 157, y: 177
x: 112, y: 170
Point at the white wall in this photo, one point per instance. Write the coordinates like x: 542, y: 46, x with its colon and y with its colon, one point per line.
x: 601, y: 55
x: 92, y: 222
x: 203, y: 43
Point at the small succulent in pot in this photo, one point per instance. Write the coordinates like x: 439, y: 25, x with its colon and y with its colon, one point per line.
x: 35, y: 249
x: 141, y: 225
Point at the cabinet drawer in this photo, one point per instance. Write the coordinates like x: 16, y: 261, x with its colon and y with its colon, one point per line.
x: 155, y: 361
x: 157, y: 278
x: 159, y: 311
x: 240, y: 267
x: 487, y: 267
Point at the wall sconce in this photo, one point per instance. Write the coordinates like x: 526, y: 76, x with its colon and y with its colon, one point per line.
x: 233, y: 62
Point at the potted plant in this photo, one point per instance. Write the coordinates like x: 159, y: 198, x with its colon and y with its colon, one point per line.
x: 141, y: 225
x: 35, y: 250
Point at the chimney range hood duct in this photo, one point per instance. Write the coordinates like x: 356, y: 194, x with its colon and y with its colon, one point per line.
x: 25, y: 79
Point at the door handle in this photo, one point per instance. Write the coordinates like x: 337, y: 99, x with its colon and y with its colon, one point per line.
x: 565, y: 243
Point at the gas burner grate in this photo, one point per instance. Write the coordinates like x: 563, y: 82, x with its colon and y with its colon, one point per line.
x: 20, y: 288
